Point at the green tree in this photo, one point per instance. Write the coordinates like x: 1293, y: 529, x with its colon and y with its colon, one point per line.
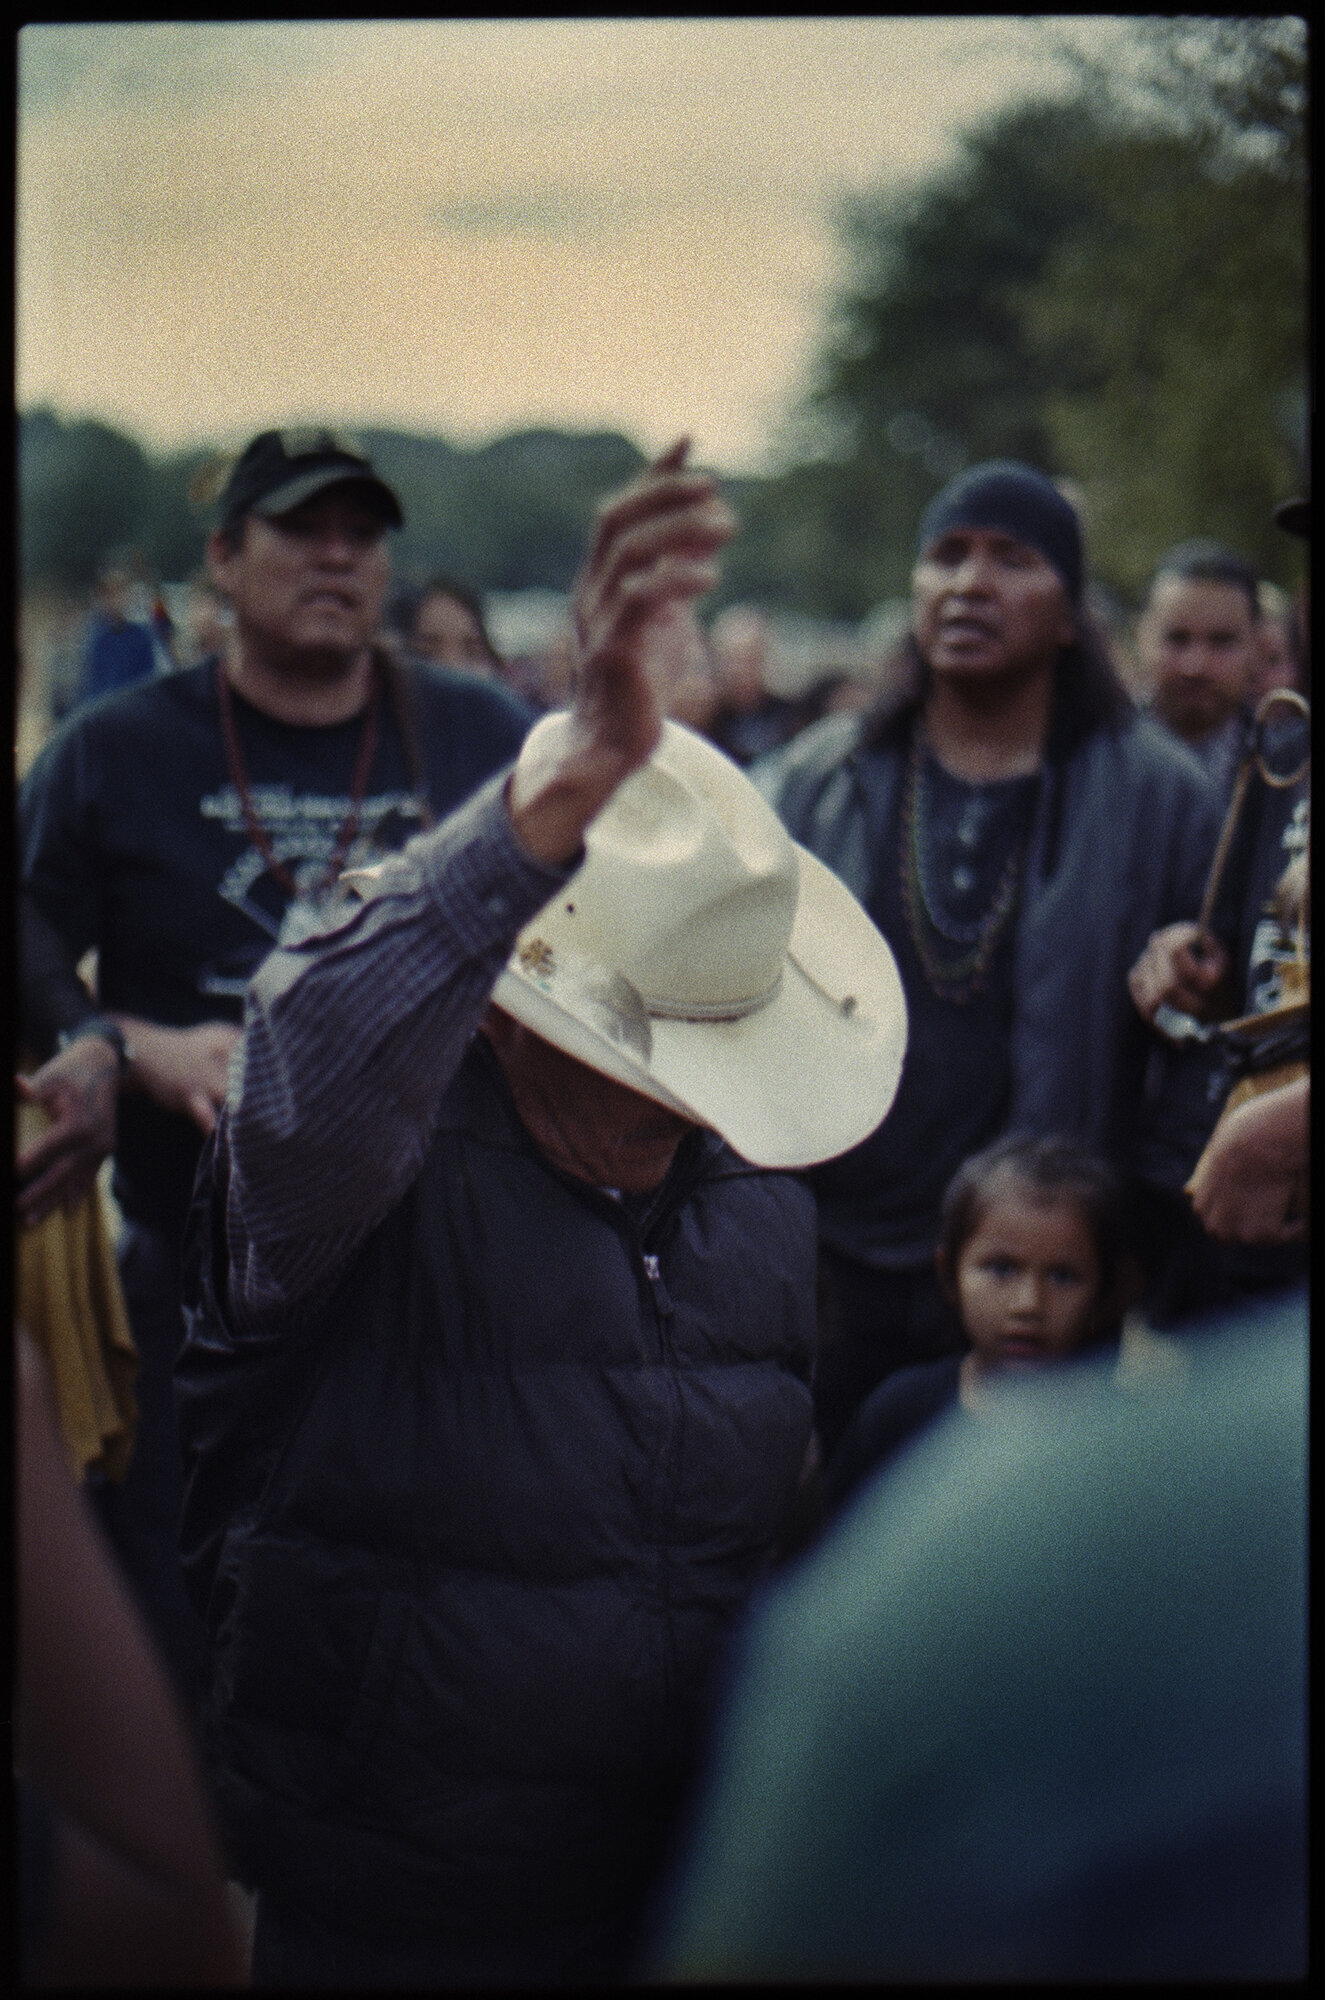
x: 173, y: 527
x: 83, y: 488
x: 1183, y: 300
x: 927, y: 363
x: 928, y: 355
x: 1109, y: 284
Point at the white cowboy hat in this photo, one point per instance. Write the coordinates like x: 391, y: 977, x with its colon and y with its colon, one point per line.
x: 703, y: 958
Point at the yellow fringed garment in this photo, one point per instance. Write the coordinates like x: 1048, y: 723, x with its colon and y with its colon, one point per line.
x: 70, y: 1301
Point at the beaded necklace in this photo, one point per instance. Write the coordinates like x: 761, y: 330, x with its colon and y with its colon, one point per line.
x: 957, y: 979
x: 257, y: 832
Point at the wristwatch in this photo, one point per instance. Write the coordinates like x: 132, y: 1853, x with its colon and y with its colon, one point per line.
x: 105, y: 1030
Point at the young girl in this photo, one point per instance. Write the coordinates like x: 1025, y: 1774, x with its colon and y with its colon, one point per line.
x: 1033, y: 1260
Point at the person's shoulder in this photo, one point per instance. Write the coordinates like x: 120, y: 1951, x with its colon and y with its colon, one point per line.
x: 821, y: 746
x: 902, y: 1406
x: 125, y: 720
x: 1145, y: 745
x: 149, y: 702
x: 926, y: 1385
x: 783, y: 1185
x: 811, y: 756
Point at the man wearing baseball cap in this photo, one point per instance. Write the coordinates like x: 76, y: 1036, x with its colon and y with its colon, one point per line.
x: 1017, y: 831
x: 179, y: 828
x: 496, y: 1390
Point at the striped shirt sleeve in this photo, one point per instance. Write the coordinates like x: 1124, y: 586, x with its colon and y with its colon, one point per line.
x: 350, y: 1040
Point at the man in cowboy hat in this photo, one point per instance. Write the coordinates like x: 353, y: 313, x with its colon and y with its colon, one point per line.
x: 495, y: 1393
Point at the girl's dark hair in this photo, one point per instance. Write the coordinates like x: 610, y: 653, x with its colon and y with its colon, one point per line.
x: 1053, y: 1168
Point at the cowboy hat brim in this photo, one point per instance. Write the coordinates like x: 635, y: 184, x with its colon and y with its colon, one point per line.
x: 800, y: 1079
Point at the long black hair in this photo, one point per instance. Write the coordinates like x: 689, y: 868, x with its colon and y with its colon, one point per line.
x: 1088, y: 696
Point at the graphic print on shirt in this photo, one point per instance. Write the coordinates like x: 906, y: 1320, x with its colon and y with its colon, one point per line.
x: 303, y: 829
x: 1273, y: 946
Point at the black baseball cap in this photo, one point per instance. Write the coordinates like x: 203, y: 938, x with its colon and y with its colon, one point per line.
x: 1294, y: 517
x: 279, y: 470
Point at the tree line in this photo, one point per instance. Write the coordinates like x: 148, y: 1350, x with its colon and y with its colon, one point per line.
x: 1110, y: 283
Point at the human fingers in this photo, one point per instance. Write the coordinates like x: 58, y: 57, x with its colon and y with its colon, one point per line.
x: 694, y: 524
x: 1185, y: 991
x: 78, y: 1186
x: 1232, y: 1221
x: 620, y: 630
x: 201, y: 1109
x: 674, y: 456
x: 223, y: 1047
x: 1151, y: 979
x: 62, y: 1185
x: 55, y: 1143
x: 1201, y: 960
x: 678, y: 544
x: 658, y: 488
x: 1141, y: 986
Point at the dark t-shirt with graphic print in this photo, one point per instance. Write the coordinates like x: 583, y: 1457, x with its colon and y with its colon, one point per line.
x: 133, y: 844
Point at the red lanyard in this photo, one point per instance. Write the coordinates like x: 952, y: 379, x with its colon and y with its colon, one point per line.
x: 257, y: 831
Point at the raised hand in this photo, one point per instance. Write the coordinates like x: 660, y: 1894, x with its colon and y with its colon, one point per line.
x: 653, y: 548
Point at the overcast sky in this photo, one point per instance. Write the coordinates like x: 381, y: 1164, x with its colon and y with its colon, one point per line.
x: 465, y: 227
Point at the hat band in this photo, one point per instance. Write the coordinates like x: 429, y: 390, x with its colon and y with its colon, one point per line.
x: 714, y: 1010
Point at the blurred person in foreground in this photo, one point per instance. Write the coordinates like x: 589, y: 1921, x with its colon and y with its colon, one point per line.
x: 120, y: 1874
x: 1035, y: 1710
x: 1017, y: 831
x: 1199, y: 643
x: 495, y: 1394
x: 179, y: 829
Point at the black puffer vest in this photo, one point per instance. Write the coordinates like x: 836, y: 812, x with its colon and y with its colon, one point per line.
x: 468, y: 1543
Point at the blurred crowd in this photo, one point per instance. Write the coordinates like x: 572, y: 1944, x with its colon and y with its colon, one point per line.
x: 749, y: 677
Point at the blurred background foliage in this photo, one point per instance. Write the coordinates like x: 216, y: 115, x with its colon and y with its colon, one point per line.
x: 1110, y: 284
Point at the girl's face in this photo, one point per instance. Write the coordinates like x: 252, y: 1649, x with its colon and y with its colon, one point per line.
x: 1028, y: 1278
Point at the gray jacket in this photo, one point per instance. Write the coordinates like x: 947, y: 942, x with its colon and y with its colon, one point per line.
x: 1123, y: 835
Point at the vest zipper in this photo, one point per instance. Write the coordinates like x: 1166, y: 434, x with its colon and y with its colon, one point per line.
x: 662, y: 1298
x: 664, y: 1309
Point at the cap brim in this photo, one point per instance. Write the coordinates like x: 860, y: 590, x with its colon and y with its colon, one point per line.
x: 799, y: 1080
x: 306, y: 485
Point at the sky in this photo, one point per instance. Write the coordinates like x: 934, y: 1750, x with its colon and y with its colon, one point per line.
x: 467, y: 227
